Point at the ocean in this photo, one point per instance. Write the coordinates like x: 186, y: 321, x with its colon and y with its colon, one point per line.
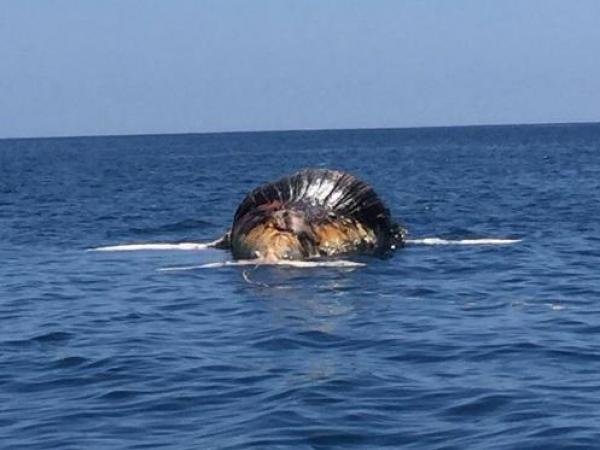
x: 441, y: 346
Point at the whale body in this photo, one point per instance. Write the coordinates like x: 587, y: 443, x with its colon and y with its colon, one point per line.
x: 312, y: 213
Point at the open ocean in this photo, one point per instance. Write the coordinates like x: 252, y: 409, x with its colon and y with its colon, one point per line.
x: 438, y: 347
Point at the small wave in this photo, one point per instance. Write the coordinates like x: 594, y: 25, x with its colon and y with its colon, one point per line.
x: 155, y: 246
x: 56, y: 336
x: 183, y: 225
x: 121, y: 394
x: 70, y: 361
x: 482, y: 241
x: 254, y: 262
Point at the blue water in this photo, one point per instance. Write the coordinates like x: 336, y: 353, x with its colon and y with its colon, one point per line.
x: 438, y: 347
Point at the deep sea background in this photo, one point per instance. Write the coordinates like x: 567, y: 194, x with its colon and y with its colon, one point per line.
x: 454, y: 347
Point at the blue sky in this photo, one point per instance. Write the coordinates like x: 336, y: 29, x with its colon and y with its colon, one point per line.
x: 143, y: 66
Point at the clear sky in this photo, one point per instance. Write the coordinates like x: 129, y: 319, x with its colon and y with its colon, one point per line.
x: 142, y: 66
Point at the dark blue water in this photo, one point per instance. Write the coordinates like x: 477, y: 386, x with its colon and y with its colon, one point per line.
x: 438, y: 347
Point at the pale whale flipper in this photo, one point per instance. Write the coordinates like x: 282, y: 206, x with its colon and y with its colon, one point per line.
x: 187, y: 246
x: 257, y: 262
x: 483, y: 241
x: 159, y: 246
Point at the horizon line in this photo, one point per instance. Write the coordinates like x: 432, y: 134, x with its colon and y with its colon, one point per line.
x: 299, y: 130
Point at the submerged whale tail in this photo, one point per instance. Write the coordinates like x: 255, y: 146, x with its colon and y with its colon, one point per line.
x: 314, y: 212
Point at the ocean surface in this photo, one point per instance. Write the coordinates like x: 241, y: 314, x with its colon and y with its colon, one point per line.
x: 440, y: 346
